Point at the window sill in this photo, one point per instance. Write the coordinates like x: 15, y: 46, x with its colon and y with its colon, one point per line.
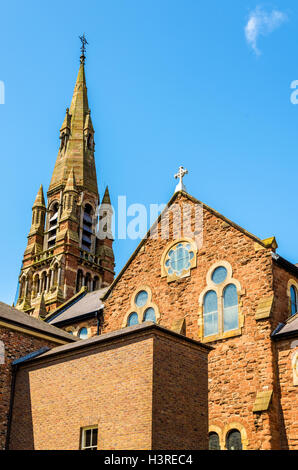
x: 221, y: 336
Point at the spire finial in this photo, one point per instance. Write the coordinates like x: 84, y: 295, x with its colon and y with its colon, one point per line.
x: 83, y: 48
x: 181, y: 173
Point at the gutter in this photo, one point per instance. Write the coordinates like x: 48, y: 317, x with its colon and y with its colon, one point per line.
x: 78, y: 318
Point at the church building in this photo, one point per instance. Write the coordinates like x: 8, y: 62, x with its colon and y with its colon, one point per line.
x: 194, y: 344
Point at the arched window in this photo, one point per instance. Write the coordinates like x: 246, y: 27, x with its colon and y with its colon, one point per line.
x: 88, y: 282
x: 22, y: 288
x: 149, y: 315
x: 95, y: 283
x: 36, y: 285
x: 55, y: 275
x: 142, y: 308
x: 210, y: 314
x: 44, y: 281
x: 214, y: 441
x: 234, y: 441
x: 294, y: 300
x: 230, y: 308
x: 87, y: 228
x: 79, y: 283
x: 53, y: 225
x: 83, y: 333
x: 133, y: 319
x: 219, y: 303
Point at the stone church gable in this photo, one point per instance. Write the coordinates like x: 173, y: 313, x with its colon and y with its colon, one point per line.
x: 219, y: 242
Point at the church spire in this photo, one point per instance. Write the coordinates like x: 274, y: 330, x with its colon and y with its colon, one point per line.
x: 77, y: 139
x: 63, y: 244
x: 39, y: 200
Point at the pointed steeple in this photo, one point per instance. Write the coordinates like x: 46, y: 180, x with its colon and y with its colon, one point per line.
x: 40, y: 310
x: 66, y: 122
x: 38, y: 217
x: 70, y: 195
x: 77, y: 142
x: 39, y: 200
x: 106, y: 197
x: 105, y: 217
x: 71, y: 182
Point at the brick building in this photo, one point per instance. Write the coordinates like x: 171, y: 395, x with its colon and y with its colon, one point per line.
x: 208, y: 282
x: 68, y: 391
x: 21, y: 335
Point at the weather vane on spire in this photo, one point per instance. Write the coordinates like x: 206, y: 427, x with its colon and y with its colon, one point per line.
x: 83, y: 48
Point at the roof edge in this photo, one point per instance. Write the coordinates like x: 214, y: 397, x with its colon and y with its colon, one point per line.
x: 146, y: 327
x: 284, y: 263
x: 74, y: 299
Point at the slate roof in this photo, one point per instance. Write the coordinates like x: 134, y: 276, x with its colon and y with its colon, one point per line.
x: 16, y: 317
x: 288, y: 329
x: 85, y: 304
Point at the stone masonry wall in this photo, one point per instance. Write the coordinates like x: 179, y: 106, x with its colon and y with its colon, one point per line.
x: 288, y: 382
x: 240, y: 366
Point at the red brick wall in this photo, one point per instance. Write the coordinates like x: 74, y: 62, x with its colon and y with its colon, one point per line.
x: 110, y: 386
x: 180, y: 401
x: 16, y: 345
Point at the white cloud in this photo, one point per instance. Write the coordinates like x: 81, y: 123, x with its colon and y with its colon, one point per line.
x: 262, y: 23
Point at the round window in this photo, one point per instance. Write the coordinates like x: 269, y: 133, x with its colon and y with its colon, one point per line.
x: 219, y: 275
x: 179, y: 259
x: 141, y: 298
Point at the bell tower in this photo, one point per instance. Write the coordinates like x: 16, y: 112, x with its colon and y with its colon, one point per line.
x: 63, y: 253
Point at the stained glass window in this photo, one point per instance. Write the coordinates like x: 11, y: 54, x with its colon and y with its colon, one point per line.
x: 179, y: 258
x: 149, y: 315
x: 210, y: 314
x: 294, y: 301
x: 141, y: 298
x: 83, y: 333
x: 230, y: 310
x: 214, y: 441
x: 133, y: 319
x: 234, y: 440
x: 219, y: 275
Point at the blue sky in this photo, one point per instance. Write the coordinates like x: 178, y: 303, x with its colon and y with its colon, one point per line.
x: 169, y: 83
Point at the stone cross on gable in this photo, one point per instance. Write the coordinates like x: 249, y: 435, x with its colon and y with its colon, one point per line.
x: 181, y: 173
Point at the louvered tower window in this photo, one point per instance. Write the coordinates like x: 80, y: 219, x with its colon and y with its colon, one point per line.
x: 87, y: 228
x: 53, y: 225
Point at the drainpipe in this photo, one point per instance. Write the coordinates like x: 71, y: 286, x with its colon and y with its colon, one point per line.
x: 14, y: 369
